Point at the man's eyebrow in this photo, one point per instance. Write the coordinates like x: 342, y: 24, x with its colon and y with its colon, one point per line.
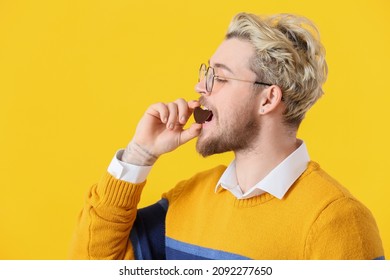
x: 221, y: 65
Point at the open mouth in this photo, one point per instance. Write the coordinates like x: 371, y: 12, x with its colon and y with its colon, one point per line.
x: 202, y: 115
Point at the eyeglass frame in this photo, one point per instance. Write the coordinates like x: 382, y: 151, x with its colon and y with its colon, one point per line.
x: 205, y: 68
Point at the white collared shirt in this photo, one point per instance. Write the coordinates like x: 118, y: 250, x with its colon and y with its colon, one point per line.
x: 127, y: 172
x: 276, y: 183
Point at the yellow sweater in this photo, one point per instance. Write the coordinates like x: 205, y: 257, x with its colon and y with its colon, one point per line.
x: 317, y: 219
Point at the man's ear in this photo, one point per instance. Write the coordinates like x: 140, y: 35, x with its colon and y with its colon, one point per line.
x: 270, y: 99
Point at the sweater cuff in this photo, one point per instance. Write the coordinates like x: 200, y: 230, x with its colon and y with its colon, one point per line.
x: 114, y: 192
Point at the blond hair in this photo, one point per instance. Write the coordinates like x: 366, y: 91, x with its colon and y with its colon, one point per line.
x: 288, y: 53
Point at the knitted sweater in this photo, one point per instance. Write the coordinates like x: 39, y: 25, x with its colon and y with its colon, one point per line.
x: 316, y: 219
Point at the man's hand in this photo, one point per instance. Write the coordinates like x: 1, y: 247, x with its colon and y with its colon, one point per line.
x: 160, y: 131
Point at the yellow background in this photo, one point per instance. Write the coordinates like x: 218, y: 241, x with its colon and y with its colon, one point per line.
x: 76, y: 75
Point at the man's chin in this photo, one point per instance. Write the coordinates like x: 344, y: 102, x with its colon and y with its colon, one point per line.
x: 208, y: 147
x: 203, y: 147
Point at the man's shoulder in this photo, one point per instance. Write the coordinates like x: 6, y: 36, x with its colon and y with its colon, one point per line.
x: 316, y: 189
x: 316, y: 179
x: 321, y: 193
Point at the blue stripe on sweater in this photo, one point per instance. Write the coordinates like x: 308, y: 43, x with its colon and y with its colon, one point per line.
x: 148, y: 233
x: 380, y: 258
x: 177, y: 250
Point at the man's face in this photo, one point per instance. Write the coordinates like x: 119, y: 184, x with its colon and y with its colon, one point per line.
x: 235, y: 122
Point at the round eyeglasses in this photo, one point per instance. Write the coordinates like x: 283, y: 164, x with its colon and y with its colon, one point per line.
x: 208, y: 74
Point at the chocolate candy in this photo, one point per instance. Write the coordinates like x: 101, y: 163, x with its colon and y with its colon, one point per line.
x: 201, y: 115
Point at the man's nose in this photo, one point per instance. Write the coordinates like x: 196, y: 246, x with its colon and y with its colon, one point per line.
x: 200, y: 88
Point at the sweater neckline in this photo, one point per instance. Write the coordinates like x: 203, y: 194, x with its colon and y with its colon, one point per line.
x: 247, y: 202
x: 253, y: 201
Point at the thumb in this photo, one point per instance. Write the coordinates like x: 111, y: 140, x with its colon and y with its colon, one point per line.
x: 190, y: 133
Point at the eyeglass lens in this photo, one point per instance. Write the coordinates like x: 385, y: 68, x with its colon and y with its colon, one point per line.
x: 209, y: 79
x: 206, y: 73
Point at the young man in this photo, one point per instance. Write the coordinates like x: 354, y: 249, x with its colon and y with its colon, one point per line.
x: 271, y: 202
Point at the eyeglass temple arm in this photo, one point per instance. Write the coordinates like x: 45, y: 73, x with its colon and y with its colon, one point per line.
x: 264, y: 84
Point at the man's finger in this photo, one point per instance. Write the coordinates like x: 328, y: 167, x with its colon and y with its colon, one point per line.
x: 190, y: 133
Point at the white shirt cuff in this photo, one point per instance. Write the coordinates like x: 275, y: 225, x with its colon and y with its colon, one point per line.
x: 127, y: 172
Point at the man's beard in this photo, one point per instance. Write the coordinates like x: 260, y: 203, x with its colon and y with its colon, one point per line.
x: 237, y: 135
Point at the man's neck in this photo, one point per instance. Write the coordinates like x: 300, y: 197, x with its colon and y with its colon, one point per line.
x: 253, y: 164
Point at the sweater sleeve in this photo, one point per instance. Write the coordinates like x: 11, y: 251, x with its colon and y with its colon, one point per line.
x: 104, y: 224
x: 345, y: 229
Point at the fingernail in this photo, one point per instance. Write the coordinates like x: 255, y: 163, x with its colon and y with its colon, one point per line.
x: 183, y: 119
x: 165, y: 120
x: 171, y: 126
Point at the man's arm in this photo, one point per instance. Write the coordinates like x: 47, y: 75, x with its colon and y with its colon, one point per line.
x: 103, y: 227
x: 110, y: 210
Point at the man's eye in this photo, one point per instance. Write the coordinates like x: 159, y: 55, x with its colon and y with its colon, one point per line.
x: 220, y: 79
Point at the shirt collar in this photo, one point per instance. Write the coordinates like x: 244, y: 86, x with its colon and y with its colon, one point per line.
x: 276, y: 183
